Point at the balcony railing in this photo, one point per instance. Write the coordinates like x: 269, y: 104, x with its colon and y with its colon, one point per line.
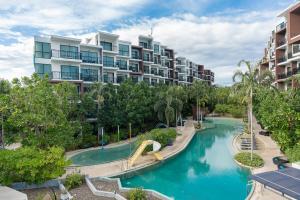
x: 65, y: 54
x: 154, y: 72
x: 134, y: 56
x: 281, y: 42
x: 280, y: 27
x: 90, y: 59
x: 121, y: 79
x: 296, y: 48
x: 108, y: 64
x: 64, y: 75
x: 133, y: 68
x: 107, y: 79
x: 89, y: 77
x: 281, y: 76
x: 282, y: 59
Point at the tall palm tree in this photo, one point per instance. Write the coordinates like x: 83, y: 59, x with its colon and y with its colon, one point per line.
x: 246, y: 83
x: 163, y: 107
x: 199, y: 92
x: 179, y: 97
x: 97, y: 91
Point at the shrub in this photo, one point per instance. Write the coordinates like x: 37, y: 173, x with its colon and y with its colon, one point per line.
x: 31, y: 165
x: 137, y: 194
x: 245, y: 159
x: 88, y: 140
x: 293, y: 153
x: 163, y: 136
x: 73, y: 181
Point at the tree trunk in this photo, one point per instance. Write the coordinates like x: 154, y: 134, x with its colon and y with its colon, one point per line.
x: 251, y: 124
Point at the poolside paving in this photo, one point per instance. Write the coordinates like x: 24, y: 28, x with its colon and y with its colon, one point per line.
x: 118, y: 167
x: 267, y: 151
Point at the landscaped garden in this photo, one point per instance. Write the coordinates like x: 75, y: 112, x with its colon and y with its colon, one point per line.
x: 50, y: 119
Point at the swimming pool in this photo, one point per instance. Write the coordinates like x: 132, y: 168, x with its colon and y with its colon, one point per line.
x: 99, y: 156
x: 204, y: 170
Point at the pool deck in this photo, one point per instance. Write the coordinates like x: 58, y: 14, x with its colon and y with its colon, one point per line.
x: 121, y: 166
x: 267, y: 149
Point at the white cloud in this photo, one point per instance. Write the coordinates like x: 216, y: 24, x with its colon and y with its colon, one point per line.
x: 218, y: 42
x: 51, y: 17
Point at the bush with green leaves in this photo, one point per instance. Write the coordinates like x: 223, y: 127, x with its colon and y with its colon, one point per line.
x: 293, y: 153
x: 73, y: 180
x: 137, y: 194
x: 31, y: 165
x: 164, y: 136
x: 245, y: 159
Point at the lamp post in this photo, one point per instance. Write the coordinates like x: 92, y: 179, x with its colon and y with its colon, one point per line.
x: 102, y: 134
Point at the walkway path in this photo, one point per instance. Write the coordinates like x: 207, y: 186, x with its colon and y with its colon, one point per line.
x: 268, y: 150
x: 119, y: 167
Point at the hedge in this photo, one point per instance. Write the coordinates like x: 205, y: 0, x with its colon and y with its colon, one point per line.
x: 245, y: 159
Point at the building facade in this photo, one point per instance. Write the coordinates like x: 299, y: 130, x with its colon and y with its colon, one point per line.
x: 282, y: 55
x: 105, y: 58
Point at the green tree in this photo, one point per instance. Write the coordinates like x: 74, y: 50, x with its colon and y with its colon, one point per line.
x: 31, y: 165
x: 42, y: 112
x: 4, y: 98
x: 247, y: 82
x: 199, y: 92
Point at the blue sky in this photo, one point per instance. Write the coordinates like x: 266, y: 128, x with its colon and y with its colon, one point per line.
x: 216, y: 33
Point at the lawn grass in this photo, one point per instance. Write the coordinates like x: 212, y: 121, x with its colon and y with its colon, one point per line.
x: 245, y: 159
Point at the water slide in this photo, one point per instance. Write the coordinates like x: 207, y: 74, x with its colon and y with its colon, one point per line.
x: 140, y: 150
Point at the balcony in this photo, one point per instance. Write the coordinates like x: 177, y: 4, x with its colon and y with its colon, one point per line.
x: 91, y: 59
x: 110, y: 64
x: 134, y: 68
x: 280, y: 27
x: 136, y: 56
x: 281, y: 76
x: 65, y: 54
x: 145, y: 45
x: 64, y: 75
x: 293, y: 35
x: 281, y: 42
x: 89, y: 77
x: 121, y: 79
x: 154, y: 72
x: 107, y: 79
x: 282, y: 59
x: 296, y: 48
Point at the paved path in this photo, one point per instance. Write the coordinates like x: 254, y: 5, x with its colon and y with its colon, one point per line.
x: 118, y: 167
x: 267, y: 151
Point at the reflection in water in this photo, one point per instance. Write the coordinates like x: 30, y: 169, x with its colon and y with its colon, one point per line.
x: 205, y: 170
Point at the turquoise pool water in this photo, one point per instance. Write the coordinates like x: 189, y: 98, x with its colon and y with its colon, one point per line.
x: 204, y: 170
x: 93, y: 157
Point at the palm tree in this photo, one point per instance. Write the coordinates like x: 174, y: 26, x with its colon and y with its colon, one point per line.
x: 97, y: 92
x: 199, y: 91
x: 179, y: 97
x: 163, y: 107
x: 246, y: 83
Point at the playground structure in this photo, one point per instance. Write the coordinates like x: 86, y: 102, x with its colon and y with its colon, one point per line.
x: 156, y: 147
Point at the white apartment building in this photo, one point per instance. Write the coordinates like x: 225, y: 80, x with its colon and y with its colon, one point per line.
x: 106, y: 58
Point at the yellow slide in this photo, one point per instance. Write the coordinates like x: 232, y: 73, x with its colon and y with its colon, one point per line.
x: 141, y: 149
x: 158, y: 156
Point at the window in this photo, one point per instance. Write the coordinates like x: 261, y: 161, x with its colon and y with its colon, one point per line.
x: 89, y: 57
x: 42, y: 69
x: 67, y: 51
x: 135, y: 79
x: 156, y: 48
x: 89, y: 75
x: 135, y: 54
x: 122, y: 64
x: 108, y: 77
x: 121, y: 78
x: 134, y: 67
x: 154, y: 71
x: 42, y: 50
x: 106, y: 45
x: 124, y: 50
x: 146, y: 69
x: 147, y: 80
x: 69, y: 72
x: 147, y: 57
x: 108, y: 61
